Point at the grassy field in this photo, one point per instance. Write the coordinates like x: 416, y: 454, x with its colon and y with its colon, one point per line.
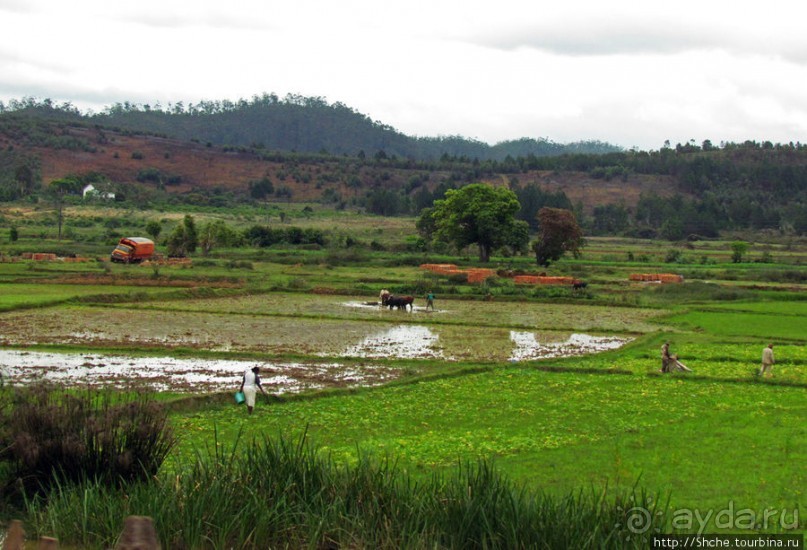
x: 717, y: 437
x: 561, y: 430
x: 16, y: 296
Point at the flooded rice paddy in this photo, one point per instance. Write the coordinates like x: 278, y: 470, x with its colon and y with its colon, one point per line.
x: 181, y: 374
x: 333, y: 341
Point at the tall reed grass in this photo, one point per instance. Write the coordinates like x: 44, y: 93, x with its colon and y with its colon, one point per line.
x: 50, y: 437
x: 275, y: 493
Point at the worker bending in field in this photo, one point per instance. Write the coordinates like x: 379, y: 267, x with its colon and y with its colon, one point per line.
x: 670, y: 363
x: 666, y: 360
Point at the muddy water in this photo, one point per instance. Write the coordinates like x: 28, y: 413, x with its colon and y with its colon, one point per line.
x: 401, y: 342
x: 371, y: 306
x: 419, y: 342
x: 527, y: 346
x: 180, y: 375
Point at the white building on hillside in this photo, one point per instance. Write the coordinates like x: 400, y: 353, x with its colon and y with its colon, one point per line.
x: 90, y: 192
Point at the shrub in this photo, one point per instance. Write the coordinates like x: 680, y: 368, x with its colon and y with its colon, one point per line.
x: 783, y: 276
x: 738, y: 250
x: 345, y: 257
x: 696, y: 291
x: 51, y: 437
x: 673, y: 256
x: 240, y: 264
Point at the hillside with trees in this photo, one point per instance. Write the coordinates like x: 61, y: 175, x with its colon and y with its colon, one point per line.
x: 293, y: 123
x: 151, y: 155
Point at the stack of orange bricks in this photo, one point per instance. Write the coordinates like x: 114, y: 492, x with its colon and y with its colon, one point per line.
x: 543, y: 280
x: 43, y: 257
x: 474, y: 275
x: 657, y: 277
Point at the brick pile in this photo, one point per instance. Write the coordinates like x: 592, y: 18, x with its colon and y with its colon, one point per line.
x: 473, y: 275
x: 657, y: 277
x: 43, y: 257
x: 543, y: 280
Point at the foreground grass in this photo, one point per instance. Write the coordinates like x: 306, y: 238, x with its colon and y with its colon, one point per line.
x: 559, y: 431
x: 275, y: 493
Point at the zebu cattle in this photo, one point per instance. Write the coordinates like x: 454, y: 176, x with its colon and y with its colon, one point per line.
x: 401, y: 302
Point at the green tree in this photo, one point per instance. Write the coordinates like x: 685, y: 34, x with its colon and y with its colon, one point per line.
x: 673, y: 229
x: 354, y: 183
x: 191, y: 236
x: 559, y: 233
x: 426, y: 224
x: 217, y: 233
x: 738, y: 250
x: 176, y: 242
x: 184, y: 238
x: 609, y: 219
x: 477, y: 214
x: 57, y: 189
x: 25, y: 179
x: 261, y: 189
x: 284, y: 192
x: 154, y: 228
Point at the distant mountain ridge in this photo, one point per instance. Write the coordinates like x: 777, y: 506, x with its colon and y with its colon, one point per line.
x: 300, y: 124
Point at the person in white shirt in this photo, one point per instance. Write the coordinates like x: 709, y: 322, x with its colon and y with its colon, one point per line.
x: 767, y: 360
x: 250, y: 384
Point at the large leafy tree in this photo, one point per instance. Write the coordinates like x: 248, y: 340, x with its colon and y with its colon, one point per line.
x: 477, y: 214
x: 559, y: 233
x: 184, y: 239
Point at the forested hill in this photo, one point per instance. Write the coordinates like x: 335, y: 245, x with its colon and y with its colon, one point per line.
x: 295, y: 123
x: 146, y: 155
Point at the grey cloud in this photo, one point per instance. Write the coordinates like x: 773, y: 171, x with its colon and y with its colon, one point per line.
x: 604, y: 42
x: 593, y: 39
x: 612, y: 35
x: 16, y: 6
x: 212, y: 20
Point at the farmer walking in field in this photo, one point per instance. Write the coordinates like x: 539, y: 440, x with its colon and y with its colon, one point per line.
x: 250, y: 384
x: 767, y: 361
x: 430, y: 300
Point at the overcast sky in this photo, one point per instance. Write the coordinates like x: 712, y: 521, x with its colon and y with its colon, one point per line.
x: 633, y: 73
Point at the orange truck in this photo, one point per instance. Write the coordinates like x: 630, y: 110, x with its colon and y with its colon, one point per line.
x: 132, y: 250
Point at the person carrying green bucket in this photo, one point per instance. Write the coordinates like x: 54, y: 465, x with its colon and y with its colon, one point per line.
x: 250, y: 384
